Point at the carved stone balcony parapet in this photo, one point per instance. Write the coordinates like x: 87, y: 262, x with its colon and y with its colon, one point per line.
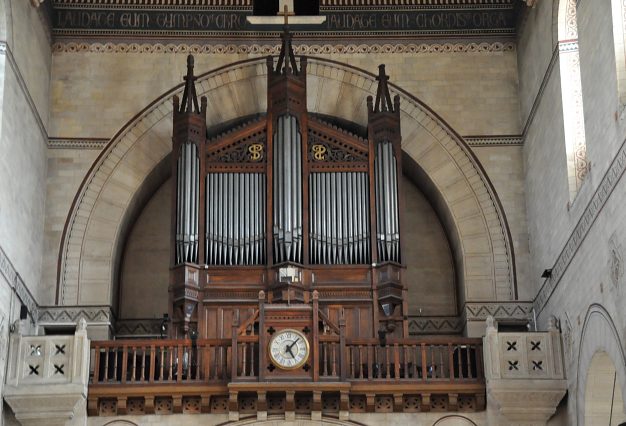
x: 525, y: 375
x: 48, y: 376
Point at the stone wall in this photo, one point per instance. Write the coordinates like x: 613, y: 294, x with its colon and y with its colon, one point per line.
x: 24, y: 77
x: 582, y: 239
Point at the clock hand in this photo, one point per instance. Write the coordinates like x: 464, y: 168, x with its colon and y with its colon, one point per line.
x: 288, y: 349
x: 291, y: 346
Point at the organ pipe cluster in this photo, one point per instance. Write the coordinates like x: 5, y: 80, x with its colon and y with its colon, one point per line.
x: 387, y: 221
x: 188, y: 169
x: 287, y: 187
x: 235, y: 218
x: 339, y: 218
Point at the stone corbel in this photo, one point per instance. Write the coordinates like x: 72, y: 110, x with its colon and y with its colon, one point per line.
x: 36, y: 3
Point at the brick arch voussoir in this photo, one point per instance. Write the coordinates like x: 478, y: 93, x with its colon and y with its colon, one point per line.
x: 89, y: 239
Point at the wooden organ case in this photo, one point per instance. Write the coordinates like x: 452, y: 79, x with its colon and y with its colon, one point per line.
x: 286, y: 222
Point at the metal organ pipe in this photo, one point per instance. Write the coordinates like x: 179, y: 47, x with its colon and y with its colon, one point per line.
x: 187, y: 189
x: 339, y: 223
x: 387, y: 220
x: 287, y: 191
x: 235, y: 219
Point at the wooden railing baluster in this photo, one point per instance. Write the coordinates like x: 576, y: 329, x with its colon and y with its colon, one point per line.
x: 451, y: 362
x: 387, y: 363
x: 442, y: 372
x: 115, y: 365
x: 360, y: 361
x: 106, y: 365
x: 424, y: 362
x: 405, y: 352
x: 179, y: 364
x: 152, y: 363
x: 244, y: 360
x: 334, y: 358
x: 459, y: 360
x: 252, y: 358
x: 143, y: 363
x: 469, y: 363
x: 96, y: 364
x: 396, y: 361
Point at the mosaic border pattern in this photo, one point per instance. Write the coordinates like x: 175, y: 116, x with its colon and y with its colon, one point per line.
x: 498, y: 140
x: 273, y: 49
x: 77, y: 143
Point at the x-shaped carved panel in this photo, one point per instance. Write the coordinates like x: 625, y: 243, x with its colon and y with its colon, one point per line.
x: 59, y: 349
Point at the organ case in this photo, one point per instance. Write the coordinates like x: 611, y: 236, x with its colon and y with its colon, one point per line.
x: 286, y: 203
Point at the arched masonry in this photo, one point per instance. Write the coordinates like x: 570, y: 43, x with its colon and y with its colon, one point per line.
x: 90, y: 241
x: 598, y: 334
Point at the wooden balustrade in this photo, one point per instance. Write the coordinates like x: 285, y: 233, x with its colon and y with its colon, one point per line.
x: 433, y: 359
x: 181, y: 361
x: 160, y: 361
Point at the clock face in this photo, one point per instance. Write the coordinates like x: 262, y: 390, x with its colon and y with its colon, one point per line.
x: 289, y: 349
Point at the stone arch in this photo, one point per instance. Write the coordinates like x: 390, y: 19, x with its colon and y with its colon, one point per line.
x: 90, y: 241
x: 599, y: 334
x: 301, y: 422
x: 120, y: 423
x: 454, y: 420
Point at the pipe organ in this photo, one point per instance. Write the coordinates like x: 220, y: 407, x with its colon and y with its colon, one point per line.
x: 387, y: 223
x: 339, y: 218
x: 235, y: 218
x: 287, y: 183
x: 286, y: 207
x: 187, y: 177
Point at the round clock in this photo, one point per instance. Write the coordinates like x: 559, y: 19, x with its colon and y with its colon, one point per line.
x: 289, y: 349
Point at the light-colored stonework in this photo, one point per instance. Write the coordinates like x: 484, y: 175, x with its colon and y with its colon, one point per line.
x: 525, y: 375
x: 47, y: 377
x: 60, y: 101
x: 481, y: 232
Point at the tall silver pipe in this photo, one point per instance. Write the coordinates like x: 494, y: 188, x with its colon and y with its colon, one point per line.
x: 187, y: 197
x: 388, y: 237
x: 287, y: 191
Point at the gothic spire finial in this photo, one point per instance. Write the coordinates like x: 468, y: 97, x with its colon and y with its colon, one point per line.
x: 383, y: 97
x: 190, y: 99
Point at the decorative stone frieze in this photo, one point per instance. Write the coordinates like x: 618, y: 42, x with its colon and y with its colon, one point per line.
x: 69, y: 315
x: 524, y: 373
x: 434, y: 325
x: 47, y: 376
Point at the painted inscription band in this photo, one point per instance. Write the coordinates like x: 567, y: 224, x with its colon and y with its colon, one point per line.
x: 69, y: 21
